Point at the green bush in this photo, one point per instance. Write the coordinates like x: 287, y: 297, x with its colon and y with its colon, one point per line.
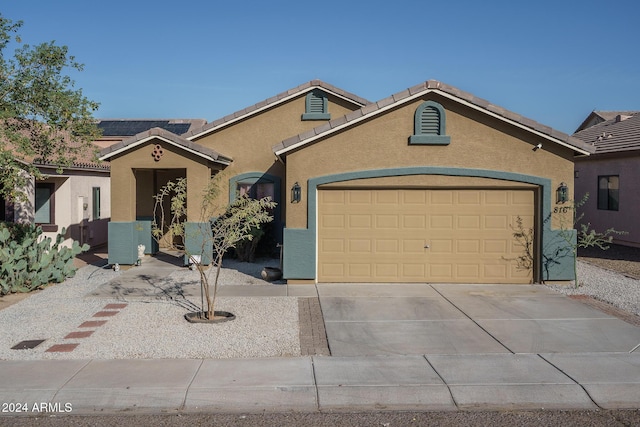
x: 28, y: 262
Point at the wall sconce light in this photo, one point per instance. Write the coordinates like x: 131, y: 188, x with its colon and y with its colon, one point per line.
x: 296, y: 193
x: 562, y: 193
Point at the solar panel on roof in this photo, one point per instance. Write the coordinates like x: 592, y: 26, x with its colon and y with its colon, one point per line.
x: 134, y: 127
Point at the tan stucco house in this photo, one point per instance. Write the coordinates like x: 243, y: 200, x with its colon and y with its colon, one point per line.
x: 423, y: 186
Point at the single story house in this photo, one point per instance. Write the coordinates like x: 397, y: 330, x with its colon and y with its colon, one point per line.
x: 427, y: 185
x: 611, y: 174
x: 77, y: 200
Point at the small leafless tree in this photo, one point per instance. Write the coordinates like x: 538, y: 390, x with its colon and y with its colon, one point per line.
x: 223, y: 229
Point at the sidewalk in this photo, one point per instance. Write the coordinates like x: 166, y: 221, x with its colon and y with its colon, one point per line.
x: 304, y: 384
x: 456, y: 348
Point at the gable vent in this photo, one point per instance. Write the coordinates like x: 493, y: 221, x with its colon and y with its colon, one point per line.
x: 316, y: 103
x: 430, y: 121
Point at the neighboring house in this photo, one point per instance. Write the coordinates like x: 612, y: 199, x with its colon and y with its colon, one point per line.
x: 79, y: 198
x: 76, y: 200
x: 611, y: 175
x: 423, y: 186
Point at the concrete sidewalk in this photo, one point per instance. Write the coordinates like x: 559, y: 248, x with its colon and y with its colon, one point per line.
x: 395, y: 347
x: 303, y: 384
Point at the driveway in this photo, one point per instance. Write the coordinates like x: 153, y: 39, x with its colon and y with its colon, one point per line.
x: 404, y: 319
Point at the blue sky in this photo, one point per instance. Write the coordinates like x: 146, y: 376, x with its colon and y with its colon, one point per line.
x: 552, y: 61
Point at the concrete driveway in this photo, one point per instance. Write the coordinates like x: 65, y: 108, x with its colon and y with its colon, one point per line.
x: 405, y: 319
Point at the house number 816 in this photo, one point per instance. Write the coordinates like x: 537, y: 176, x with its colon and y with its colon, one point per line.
x: 561, y: 209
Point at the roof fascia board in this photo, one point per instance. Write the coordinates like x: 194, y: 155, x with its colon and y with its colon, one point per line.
x: 267, y: 106
x: 418, y: 95
x: 72, y: 168
x: 149, y: 138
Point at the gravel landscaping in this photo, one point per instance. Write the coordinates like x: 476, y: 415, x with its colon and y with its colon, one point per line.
x: 151, y: 327
x: 611, y: 276
x: 605, y: 285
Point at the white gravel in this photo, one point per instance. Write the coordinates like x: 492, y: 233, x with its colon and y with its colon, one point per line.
x: 154, y: 327
x: 605, y: 285
x: 150, y: 328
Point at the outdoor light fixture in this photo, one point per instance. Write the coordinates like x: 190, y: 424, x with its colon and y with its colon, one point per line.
x: 562, y: 193
x: 296, y: 193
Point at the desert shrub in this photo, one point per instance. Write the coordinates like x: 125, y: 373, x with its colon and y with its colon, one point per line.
x: 29, y: 262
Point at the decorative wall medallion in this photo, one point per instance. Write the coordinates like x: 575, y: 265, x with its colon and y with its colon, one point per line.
x: 157, y: 152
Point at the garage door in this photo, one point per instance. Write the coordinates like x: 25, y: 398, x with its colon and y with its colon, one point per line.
x: 414, y: 235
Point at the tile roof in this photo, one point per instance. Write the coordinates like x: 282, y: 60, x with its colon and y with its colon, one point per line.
x: 85, y: 154
x: 82, y: 163
x: 169, y: 137
x: 270, y: 102
x: 417, y: 91
x: 617, y: 134
x: 600, y: 116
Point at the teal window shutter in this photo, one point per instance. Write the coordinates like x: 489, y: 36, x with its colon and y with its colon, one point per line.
x: 96, y: 203
x: 429, y: 125
x: 316, y: 106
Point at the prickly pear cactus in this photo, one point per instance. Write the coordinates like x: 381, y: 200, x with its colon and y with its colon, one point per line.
x: 28, y: 263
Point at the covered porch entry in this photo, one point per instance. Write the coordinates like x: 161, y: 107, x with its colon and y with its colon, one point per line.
x: 140, y: 167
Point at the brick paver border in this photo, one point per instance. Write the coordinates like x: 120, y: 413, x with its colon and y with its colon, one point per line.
x: 109, y: 310
x: 608, y: 309
x: 313, y: 336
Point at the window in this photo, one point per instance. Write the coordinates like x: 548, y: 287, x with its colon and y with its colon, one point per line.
x: 45, y: 206
x: 608, y: 192
x: 429, y: 125
x: 257, y: 190
x: 96, y: 202
x: 316, y: 106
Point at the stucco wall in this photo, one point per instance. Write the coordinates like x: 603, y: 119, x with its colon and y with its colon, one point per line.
x: 624, y: 219
x: 250, y: 142
x: 72, y: 190
x: 484, y: 151
x: 123, y: 178
x: 477, y: 142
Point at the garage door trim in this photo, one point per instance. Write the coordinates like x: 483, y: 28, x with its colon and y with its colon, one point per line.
x: 300, y: 247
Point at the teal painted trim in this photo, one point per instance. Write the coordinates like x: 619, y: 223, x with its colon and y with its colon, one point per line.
x: 252, y: 178
x: 198, y: 240
x: 299, y: 251
x: 316, y: 116
x: 442, y: 122
x: 429, y: 140
x: 311, y: 111
x: 123, y: 243
x: 143, y: 227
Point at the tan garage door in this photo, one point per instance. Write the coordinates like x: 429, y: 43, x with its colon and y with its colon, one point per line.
x: 447, y: 236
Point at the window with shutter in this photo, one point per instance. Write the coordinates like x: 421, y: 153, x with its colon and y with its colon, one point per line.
x: 429, y: 128
x: 316, y: 106
x: 96, y: 202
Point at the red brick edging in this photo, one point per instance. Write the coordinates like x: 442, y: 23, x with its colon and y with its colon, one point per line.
x: 608, y: 309
x: 109, y: 310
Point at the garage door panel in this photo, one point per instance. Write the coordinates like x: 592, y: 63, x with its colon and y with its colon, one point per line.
x: 332, y: 246
x: 387, y: 221
x: 496, y: 272
x: 332, y: 221
x: 387, y: 246
x: 380, y: 235
x: 496, y: 222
